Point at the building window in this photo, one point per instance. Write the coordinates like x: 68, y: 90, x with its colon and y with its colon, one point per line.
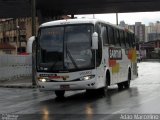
x: 14, y: 39
x: 7, y: 51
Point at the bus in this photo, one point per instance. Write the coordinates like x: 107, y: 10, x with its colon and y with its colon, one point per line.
x: 84, y: 54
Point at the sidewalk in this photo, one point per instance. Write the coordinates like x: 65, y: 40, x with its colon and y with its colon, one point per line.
x: 21, y: 82
x: 147, y: 60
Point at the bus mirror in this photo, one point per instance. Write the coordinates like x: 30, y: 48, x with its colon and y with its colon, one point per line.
x: 36, y: 38
x: 30, y: 43
x: 95, y: 41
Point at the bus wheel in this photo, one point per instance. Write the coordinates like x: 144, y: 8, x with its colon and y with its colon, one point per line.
x: 120, y: 86
x: 127, y: 83
x: 90, y: 92
x: 103, y: 90
x: 60, y: 93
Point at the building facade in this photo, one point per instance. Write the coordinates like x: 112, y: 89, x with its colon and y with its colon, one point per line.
x: 14, y: 34
x: 140, y: 31
x: 153, y: 31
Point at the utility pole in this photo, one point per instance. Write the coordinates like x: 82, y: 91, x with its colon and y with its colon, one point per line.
x: 116, y: 18
x: 33, y: 4
x: 18, y: 41
x: 33, y: 11
x: 93, y: 16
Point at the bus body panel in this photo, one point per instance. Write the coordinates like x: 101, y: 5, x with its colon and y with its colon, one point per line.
x: 78, y: 85
x: 72, y: 79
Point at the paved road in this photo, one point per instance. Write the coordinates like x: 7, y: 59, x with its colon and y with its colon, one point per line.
x: 142, y: 98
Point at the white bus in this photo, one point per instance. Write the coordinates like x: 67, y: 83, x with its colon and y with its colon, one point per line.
x: 80, y: 54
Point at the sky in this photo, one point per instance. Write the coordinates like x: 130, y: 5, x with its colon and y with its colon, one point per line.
x: 128, y: 18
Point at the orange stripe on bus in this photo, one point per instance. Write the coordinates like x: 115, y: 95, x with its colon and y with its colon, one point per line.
x: 112, y: 63
x: 130, y: 54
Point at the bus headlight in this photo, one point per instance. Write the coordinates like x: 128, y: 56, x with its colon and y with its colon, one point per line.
x: 88, y: 77
x: 42, y: 79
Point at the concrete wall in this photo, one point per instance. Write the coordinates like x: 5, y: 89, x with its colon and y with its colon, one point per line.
x: 14, y: 66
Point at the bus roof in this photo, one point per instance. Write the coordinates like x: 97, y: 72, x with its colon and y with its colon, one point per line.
x: 68, y: 21
x: 78, y: 21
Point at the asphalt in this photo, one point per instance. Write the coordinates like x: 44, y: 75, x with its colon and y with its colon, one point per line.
x: 20, y: 82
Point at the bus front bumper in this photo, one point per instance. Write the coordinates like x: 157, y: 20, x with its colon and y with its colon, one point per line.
x: 78, y: 85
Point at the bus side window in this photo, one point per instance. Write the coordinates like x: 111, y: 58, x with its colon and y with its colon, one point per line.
x: 130, y: 39
x: 122, y: 39
x: 111, y: 35
x: 105, y: 36
x: 99, y: 51
x: 117, y: 38
x: 133, y: 40
x: 127, y: 37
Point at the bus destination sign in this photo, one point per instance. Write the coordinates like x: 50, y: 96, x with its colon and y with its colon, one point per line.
x: 115, y: 53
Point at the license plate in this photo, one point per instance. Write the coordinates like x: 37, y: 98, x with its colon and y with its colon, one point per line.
x: 65, y: 87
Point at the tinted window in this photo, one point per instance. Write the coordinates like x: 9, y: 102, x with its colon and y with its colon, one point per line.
x: 117, y: 38
x: 133, y: 40
x: 99, y: 51
x: 122, y: 39
x: 127, y: 39
x: 111, y: 35
x: 104, y: 35
x: 130, y: 39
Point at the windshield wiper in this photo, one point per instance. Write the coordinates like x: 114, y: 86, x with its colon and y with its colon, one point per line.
x: 72, y: 59
x: 53, y: 65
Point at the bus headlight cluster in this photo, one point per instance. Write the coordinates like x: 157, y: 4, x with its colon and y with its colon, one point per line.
x: 88, y: 77
x: 42, y: 79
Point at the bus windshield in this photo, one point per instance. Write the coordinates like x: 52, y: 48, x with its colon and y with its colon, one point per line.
x: 65, y: 48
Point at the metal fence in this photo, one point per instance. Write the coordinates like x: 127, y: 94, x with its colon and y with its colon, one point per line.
x: 14, y: 66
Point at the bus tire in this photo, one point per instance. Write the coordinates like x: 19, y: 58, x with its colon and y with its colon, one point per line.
x: 120, y: 86
x: 103, y: 90
x: 90, y: 92
x: 127, y: 83
x: 60, y: 93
